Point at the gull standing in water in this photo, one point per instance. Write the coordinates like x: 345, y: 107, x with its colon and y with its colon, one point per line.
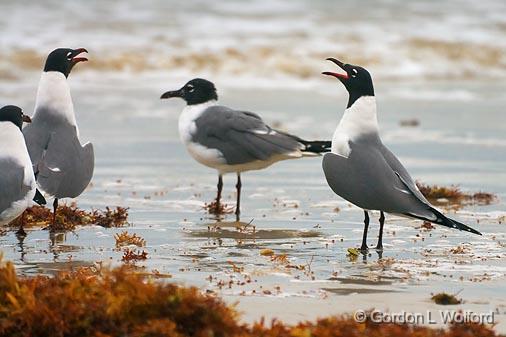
x: 17, y: 181
x: 363, y: 171
x: 62, y: 166
x: 233, y: 141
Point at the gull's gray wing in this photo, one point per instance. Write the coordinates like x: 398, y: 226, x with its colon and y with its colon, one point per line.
x: 241, y: 136
x: 367, y: 180
x: 66, y: 167
x: 63, y: 167
x: 397, y: 167
x: 12, y: 187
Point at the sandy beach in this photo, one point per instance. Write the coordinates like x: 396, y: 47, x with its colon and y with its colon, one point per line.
x: 292, y: 216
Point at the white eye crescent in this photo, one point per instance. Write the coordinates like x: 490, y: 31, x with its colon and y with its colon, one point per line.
x: 190, y: 88
x: 69, y: 55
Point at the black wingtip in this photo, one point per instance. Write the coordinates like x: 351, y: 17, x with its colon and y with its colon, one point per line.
x: 39, y: 198
x: 448, y: 222
x: 466, y: 228
x: 318, y: 146
x: 442, y: 220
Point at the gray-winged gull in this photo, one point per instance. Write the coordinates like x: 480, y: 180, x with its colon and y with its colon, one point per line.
x: 231, y: 140
x: 62, y: 166
x: 363, y: 171
x: 17, y: 181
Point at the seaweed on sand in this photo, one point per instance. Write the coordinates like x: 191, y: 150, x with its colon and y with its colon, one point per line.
x: 216, y: 208
x: 267, y: 252
x: 132, y: 256
x: 112, y: 303
x: 445, y: 299
x: 111, y: 218
x: 126, y: 239
x: 70, y: 216
x: 427, y: 226
x: 453, y: 195
x: 117, y: 302
x: 461, y: 249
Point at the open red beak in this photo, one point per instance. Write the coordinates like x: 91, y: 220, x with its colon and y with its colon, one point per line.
x: 77, y: 55
x: 339, y: 76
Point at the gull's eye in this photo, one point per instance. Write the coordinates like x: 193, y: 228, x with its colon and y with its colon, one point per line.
x: 190, y: 88
x: 355, y: 72
x: 69, y: 55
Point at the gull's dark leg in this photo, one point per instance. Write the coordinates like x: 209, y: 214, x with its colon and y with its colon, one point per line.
x: 21, y: 231
x: 238, y: 204
x: 220, y: 187
x: 364, y: 248
x: 379, y: 246
x: 380, y: 253
x: 21, y: 245
x: 55, y: 208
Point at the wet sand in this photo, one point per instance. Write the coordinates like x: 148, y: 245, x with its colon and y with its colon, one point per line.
x: 289, y: 208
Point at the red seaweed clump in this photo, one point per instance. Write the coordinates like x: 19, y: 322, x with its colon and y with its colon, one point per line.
x: 68, y: 217
x: 119, y: 302
x: 216, y: 208
x: 441, y: 195
x: 445, y: 299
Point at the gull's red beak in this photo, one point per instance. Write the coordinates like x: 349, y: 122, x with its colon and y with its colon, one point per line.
x: 77, y: 57
x: 339, y: 76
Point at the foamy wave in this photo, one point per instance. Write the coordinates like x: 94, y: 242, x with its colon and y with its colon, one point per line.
x: 269, y: 62
x: 261, y: 41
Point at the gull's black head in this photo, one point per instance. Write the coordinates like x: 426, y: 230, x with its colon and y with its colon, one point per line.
x: 64, y: 59
x: 356, y: 79
x: 195, y: 91
x: 13, y: 114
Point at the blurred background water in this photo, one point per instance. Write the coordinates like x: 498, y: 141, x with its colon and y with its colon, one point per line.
x: 441, y: 64
x: 261, y: 42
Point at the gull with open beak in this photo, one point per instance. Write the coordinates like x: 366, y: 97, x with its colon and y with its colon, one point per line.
x: 363, y: 171
x: 63, y: 167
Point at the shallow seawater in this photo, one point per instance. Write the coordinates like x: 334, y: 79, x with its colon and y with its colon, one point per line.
x: 287, y: 208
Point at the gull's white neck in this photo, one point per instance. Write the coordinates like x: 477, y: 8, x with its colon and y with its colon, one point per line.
x: 53, y: 96
x: 188, y: 116
x: 358, y: 120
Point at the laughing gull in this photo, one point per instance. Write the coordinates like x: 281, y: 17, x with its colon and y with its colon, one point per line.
x: 363, y: 171
x: 17, y: 181
x: 62, y: 166
x: 231, y: 140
